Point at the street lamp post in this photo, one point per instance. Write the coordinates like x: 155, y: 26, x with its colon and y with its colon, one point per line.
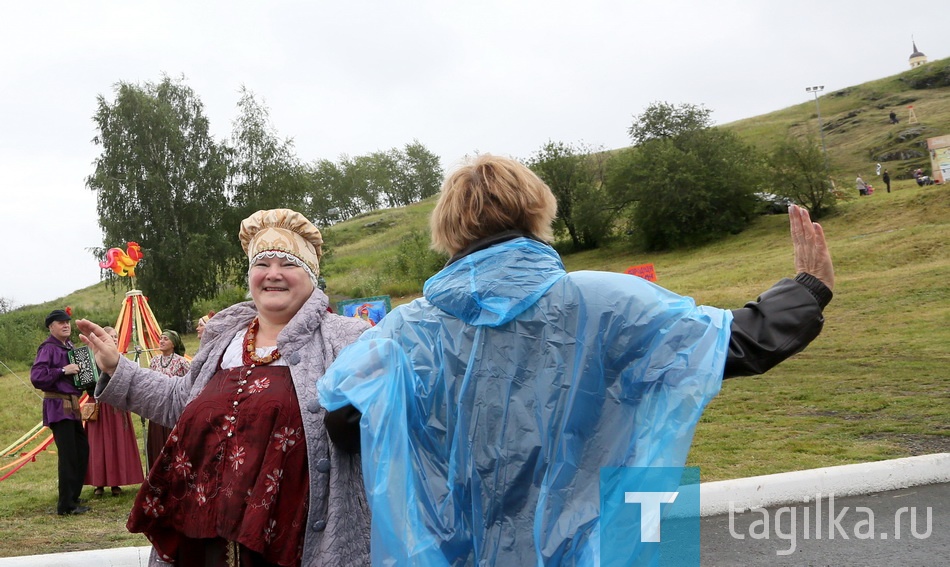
x: 821, y: 131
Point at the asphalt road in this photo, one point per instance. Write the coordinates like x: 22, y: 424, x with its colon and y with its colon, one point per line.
x: 864, y: 529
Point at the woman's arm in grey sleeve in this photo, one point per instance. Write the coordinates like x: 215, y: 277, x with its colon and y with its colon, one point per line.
x: 149, y: 393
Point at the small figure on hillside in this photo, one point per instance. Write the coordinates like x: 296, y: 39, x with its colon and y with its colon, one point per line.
x: 894, y: 119
x: 921, y: 178
x: 862, y: 186
x: 887, y: 180
x: 877, y: 170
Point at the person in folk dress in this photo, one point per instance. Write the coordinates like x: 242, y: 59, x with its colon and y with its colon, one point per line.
x: 250, y: 475
x: 54, y: 375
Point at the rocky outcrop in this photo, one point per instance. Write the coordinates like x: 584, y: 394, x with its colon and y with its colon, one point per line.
x: 910, y: 134
x: 929, y: 77
x: 899, y: 155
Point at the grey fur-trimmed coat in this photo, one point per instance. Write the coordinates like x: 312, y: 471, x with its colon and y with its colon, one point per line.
x: 338, y: 519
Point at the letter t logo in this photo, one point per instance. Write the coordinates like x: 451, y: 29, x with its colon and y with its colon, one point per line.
x: 650, y: 511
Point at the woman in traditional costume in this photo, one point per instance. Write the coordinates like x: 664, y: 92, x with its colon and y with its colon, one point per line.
x: 247, y: 477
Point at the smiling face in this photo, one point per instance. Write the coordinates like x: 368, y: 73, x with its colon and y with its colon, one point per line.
x: 166, y: 345
x: 279, y: 287
x: 61, y: 330
x: 200, y: 329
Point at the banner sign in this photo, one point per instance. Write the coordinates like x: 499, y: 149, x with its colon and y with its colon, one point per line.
x: 644, y: 271
x: 371, y: 309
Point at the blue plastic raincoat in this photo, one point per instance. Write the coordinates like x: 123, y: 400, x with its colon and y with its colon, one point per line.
x: 490, y: 406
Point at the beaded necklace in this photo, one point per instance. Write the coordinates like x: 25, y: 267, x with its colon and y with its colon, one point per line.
x: 249, y: 355
x: 161, y: 360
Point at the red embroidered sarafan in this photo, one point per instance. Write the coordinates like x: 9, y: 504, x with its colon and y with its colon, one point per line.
x: 234, y: 467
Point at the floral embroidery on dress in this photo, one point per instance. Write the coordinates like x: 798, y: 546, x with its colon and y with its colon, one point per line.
x: 201, y: 494
x: 273, y: 481
x: 286, y: 438
x: 182, y: 464
x: 206, y: 474
x: 237, y: 457
x: 270, y: 531
x: 153, y: 507
x: 259, y: 385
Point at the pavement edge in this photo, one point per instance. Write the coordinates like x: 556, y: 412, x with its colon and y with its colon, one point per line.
x: 802, y: 486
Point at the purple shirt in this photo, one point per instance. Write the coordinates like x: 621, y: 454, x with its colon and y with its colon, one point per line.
x: 47, y: 375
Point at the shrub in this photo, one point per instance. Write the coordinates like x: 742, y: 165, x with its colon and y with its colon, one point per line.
x: 414, y: 262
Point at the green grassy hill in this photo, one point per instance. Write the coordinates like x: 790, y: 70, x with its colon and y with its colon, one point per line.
x: 857, y: 131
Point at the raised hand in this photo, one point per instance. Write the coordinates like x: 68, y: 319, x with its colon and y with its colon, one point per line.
x: 811, y: 250
x: 102, y: 345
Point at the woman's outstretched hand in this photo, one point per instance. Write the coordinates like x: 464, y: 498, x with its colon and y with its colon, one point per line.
x: 103, y: 347
x: 811, y: 250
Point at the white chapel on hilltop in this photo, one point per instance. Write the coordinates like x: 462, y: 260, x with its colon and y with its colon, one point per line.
x: 916, y: 58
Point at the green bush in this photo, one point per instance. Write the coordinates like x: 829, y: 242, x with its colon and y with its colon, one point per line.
x: 413, y: 263
x: 687, y: 190
x: 798, y: 168
x: 226, y: 297
x: 367, y: 285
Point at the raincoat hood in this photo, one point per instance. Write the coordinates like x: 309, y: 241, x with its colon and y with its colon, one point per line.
x: 493, y: 286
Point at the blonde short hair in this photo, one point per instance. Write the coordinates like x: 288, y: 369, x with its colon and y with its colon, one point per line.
x: 487, y: 196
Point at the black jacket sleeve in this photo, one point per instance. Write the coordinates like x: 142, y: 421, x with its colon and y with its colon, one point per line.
x: 343, y: 427
x: 778, y: 325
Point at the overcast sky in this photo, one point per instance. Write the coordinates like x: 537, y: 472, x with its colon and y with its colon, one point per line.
x: 355, y: 77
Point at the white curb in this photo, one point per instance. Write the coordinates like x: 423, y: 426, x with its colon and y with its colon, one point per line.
x: 802, y: 486
x: 118, y: 557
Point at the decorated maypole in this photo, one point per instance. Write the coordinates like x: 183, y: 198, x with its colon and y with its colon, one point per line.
x: 136, y: 326
x: 138, y: 333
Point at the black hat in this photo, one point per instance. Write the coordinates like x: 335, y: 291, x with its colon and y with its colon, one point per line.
x: 57, y: 315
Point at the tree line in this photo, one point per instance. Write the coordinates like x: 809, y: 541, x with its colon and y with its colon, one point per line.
x: 681, y: 183
x: 164, y: 182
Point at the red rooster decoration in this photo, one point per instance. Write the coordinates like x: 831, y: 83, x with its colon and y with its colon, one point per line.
x: 123, y: 262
